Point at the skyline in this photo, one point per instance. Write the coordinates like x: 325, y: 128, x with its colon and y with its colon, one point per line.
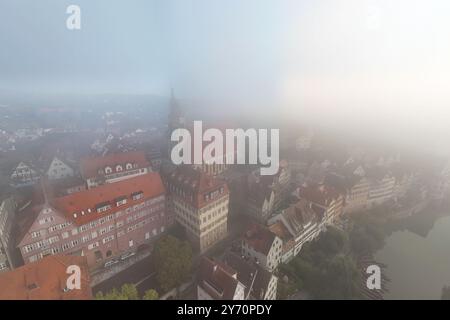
x: 360, y: 63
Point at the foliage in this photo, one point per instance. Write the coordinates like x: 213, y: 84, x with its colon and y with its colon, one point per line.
x: 150, y: 295
x: 127, y: 292
x: 367, y: 235
x: 325, y: 268
x: 172, y: 259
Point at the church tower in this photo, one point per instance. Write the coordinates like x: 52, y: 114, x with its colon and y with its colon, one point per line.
x: 176, y: 120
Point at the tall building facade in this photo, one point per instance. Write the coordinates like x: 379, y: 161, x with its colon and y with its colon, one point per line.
x: 199, y: 203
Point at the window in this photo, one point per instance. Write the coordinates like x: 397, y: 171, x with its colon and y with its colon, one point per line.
x: 137, y: 195
x: 121, y: 201
x: 103, y: 207
x: 98, y: 255
x: 93, y: 245
x: 108, y: 239
x: 35, y: 234
x: 108, y: 170
x: 46, y: 220
x: 129, y: 166
x: 119, y: 168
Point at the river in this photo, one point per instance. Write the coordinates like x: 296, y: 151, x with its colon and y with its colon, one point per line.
x: 418, y: 265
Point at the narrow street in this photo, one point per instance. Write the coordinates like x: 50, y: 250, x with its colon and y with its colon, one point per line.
x: 141, y: 274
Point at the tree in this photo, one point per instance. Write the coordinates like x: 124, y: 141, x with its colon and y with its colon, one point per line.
x: 172, y: 259
x: 127, y: 292
x: 130, y: 291
x: 150, y: 295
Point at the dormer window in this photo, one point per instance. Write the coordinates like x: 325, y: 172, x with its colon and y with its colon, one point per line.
x: 121, y: 201
x: 119, y: 168
x: 108, y: 170
x: 75, y: 215
x: 129, y: 166
x: 102, y: 207
x: 137, y: 195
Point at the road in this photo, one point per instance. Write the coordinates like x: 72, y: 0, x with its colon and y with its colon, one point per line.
x: 141, y: 274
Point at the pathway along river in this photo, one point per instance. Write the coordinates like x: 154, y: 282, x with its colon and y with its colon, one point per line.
x: 418, y: 261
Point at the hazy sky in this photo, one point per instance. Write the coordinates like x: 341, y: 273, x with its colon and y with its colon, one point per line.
x: 387, y: 61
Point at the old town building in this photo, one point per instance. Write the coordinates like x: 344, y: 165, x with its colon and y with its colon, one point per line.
x: 199, y: 203
x: 46, y: 279
x: 100, y: 223
x: 263, y: 246
x: 113, y: 168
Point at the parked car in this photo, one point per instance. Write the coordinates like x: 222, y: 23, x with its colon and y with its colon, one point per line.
x: 127, y: 255
x: 110, y: 263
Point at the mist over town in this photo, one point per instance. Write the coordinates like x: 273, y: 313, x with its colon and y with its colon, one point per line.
x: 109, y: 192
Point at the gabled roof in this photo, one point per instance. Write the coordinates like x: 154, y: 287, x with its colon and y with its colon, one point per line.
x: 218, y: 280
x: 249, y: 274
x: 298, y: 215
x: 85, y: 203
x: 56, y: 159
x: 319, y: 194
x: 90, y: 166
x: 45, y: 280
x: 196, y: 186
x: 259, y: 238
x: 29, y: 212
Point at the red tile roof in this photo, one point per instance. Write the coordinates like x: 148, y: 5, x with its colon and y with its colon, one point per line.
x: 149, y: 184
x: 259, y: 238
x: 218, y: 280
x: 90, y: 166
x: 320, y: 194
x: 45, y: 280
x: 196, y: 183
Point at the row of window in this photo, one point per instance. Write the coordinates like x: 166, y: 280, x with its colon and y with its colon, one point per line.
x: 119, y: 168
x: 103, y: 207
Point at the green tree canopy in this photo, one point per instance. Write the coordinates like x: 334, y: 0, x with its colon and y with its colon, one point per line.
x: 127, y: 292
x: 172, y: 259
x: 150, y: 295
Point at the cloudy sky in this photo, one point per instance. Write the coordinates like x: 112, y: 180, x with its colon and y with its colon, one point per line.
x: 382, y: 60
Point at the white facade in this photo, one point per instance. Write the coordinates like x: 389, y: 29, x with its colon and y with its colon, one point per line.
x: 59, y: 170
x: 269, y: 261
x: 381, y: 191
x: 24, y: 175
